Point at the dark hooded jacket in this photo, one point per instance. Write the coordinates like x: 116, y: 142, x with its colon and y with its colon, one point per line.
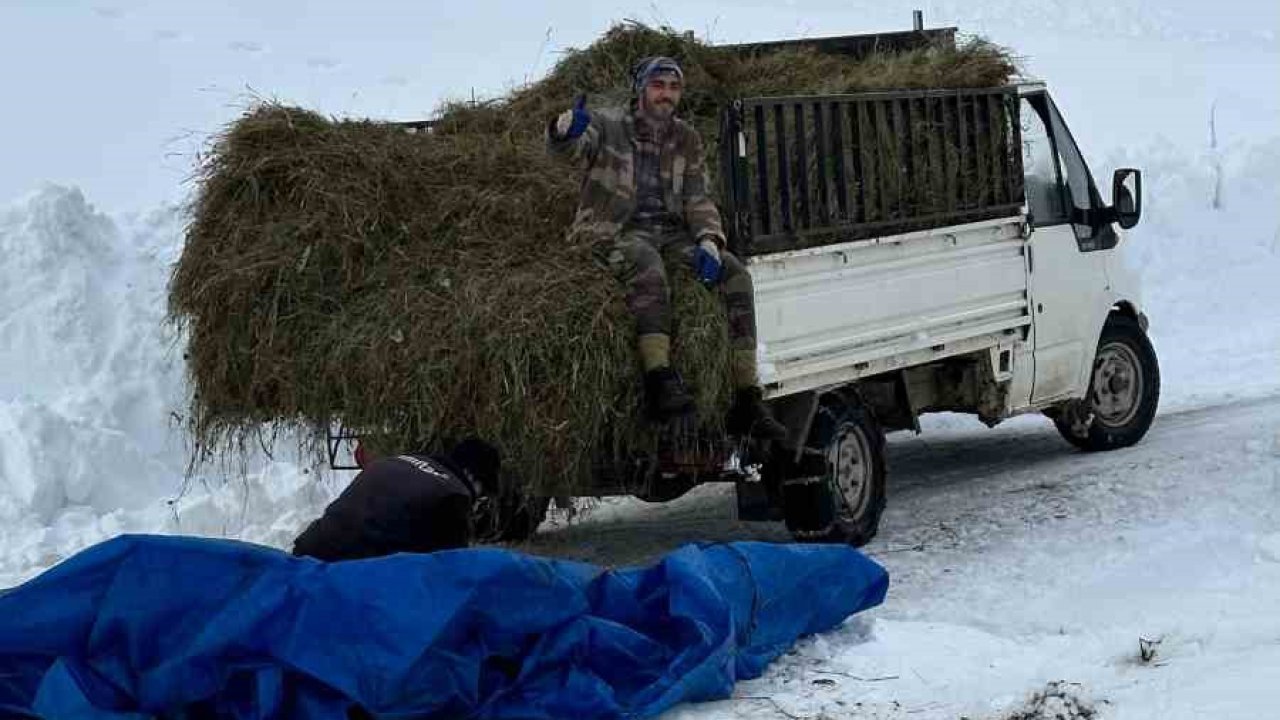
x: 406, y: 503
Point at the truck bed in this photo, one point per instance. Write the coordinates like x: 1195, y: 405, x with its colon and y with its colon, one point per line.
x: 835, y: 313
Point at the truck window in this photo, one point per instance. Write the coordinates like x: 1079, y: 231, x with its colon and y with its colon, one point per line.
x: 1045, y: 193
x: 1081, y: 192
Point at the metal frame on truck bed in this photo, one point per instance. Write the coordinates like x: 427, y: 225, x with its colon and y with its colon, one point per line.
x: 813, y: 170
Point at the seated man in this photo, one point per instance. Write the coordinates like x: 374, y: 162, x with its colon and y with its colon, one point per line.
x: 406, y: 503
x: 644, y: 195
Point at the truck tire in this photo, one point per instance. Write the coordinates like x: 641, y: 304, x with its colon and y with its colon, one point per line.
x: 1124, y: 391
x: 837, y: 492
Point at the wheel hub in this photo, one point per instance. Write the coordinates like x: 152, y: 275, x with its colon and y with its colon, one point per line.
x: 1117, y: 385
x: 849, y: 457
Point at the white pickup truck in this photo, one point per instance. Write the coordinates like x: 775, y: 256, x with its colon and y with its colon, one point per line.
x: 1027, y: 309
x: 912, y: 252
x: 1031, y: 310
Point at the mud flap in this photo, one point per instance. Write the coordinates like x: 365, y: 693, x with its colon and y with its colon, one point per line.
x: 811, y: 509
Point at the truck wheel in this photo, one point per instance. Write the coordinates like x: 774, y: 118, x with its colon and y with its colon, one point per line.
x: 1124, y: 391
x: 510, y: 518
x: 838, y: 491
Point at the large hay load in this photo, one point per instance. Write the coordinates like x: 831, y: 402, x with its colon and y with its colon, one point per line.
x: 419, y: 287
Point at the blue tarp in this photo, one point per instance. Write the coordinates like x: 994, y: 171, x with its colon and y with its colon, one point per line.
x: 143, y: 626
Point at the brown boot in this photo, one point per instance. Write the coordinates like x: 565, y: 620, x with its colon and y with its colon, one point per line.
x: 750, y: 416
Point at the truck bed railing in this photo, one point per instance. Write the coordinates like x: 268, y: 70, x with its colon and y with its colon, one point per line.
x: 803, y: 171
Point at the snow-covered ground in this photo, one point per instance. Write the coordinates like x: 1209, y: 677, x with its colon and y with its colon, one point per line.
x: 1016, y: 561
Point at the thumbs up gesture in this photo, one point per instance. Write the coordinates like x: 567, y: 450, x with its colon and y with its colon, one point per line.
x: 573, y: 122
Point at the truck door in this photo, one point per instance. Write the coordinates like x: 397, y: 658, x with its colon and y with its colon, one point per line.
x: 1067, y: 282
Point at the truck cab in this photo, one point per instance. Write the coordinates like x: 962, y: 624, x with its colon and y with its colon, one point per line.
x: 1074, y: 237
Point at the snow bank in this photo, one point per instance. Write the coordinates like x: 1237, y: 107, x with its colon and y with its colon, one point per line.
x: 1209, y: 270
x: 93, y: 388
x: 89, y: 381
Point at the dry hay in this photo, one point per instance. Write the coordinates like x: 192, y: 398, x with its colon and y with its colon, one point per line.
x: 419, y: 287
x: 1058, y: 700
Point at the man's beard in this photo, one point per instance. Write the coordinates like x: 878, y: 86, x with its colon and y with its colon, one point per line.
x: 658, y: 111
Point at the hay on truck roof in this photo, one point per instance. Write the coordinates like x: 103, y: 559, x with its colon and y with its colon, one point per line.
x: 419, y: 287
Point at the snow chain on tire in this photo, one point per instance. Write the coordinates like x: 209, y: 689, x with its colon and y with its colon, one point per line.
x: 837, y: 492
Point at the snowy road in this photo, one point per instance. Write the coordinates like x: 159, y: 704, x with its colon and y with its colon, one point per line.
x: 1017, y: 560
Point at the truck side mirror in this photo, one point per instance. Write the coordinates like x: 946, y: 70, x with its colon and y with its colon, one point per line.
x: 1126, y: 196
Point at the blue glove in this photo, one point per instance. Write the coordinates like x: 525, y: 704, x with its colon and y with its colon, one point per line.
x: 706, y: 262
x: 572, y: 123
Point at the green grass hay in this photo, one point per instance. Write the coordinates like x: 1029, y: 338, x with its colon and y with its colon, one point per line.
x: 420, y: 287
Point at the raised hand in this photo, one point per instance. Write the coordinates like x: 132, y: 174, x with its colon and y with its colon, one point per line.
x: 573, y: 122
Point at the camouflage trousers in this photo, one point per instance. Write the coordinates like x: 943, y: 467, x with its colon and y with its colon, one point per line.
x: 636, y: 259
